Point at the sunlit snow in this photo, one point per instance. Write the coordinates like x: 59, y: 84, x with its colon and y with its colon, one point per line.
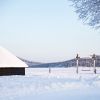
x: 7, y: 59
x: 60, y: 84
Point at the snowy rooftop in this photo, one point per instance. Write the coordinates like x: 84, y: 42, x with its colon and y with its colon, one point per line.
x: 7, y: 59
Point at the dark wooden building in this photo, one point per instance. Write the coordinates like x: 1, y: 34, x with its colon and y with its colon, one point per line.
x: 12, y: 71
x: 10, y: 64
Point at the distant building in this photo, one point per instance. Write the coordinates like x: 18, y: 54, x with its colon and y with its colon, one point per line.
x: 10, y: 64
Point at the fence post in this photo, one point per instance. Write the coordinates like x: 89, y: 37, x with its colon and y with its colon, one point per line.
x: 49, y: 70
x: 77, y: 62
x: 94, y: 61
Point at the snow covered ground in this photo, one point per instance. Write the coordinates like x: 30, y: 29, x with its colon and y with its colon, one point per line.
x: 60, y: 84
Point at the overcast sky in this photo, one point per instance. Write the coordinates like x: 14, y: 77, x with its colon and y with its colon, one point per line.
x: 45, y: 30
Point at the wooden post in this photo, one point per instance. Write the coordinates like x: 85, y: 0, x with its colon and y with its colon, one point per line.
x: 94, y: 66
x: 49, y: 70
x: 77, y: 63
x: 77, y: 66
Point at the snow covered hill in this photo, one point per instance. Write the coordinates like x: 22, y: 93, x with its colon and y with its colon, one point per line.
x: 30, y: 63
x: 69, y: 63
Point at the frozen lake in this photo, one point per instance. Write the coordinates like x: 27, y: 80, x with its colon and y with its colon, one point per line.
x: 60, y: 84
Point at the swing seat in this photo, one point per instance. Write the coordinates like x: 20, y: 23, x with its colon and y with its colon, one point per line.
x: 86, y: 70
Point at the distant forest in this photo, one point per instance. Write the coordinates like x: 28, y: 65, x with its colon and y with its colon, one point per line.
x: 88, y: 62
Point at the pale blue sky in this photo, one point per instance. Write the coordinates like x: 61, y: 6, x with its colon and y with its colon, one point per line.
x: 45, y: 30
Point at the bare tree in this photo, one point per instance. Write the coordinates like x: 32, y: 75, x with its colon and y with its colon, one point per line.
x: 88, y: 11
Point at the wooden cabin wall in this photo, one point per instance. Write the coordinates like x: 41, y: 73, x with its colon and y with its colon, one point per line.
x: 12, y: 71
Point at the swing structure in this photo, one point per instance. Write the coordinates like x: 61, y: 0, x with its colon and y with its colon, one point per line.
x: 87, y: 68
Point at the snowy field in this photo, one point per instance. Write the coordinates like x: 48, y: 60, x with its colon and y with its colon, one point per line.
x: 60, y: 84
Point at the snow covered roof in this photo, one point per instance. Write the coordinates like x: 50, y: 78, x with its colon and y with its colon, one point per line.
x: 7, y: 59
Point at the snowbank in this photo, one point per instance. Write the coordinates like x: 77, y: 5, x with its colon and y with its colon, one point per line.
x: 38, y: 84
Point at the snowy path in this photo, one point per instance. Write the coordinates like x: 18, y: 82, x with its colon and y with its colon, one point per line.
x: 37, y: 85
